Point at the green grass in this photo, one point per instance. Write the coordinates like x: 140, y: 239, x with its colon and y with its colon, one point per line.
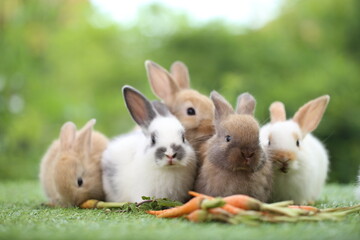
x: 23, y: 217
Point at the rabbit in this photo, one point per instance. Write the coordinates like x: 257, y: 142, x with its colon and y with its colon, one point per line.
x: 234, y: 162
x: 70, y: 171
x: 154, y: 161
x: 300, y: 160
x: 194, y: 110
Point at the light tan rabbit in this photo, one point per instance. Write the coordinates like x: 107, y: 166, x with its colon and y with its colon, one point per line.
x: 70, y: 171
x: 194, y: 110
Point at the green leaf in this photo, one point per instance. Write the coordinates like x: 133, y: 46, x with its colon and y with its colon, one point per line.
x: 168, y: 203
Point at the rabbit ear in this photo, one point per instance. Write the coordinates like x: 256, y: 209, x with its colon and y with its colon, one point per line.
x: 309, y: 115
x: 246, y: 104
x: 83, y: 140
x: 277, y: 112
x: 67, y: 136
x: 162, y: 84
x: 140, y: 108
x: 180, y: 74
x: 222, y: 107
x: 160, y: 108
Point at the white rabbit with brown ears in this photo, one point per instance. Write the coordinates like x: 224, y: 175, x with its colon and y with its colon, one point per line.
x: 300, y: 160
x: 156, y: 161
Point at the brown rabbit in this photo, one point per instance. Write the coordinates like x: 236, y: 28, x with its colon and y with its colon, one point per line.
x: 70, y: 171
x: 194, y: 110
x: 233, y: 159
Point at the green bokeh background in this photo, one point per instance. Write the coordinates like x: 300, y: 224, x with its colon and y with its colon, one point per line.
x: 62, y: 60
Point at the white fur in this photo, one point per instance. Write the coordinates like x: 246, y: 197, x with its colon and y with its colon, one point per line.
x: 307, y: 174
x: 130, y: 160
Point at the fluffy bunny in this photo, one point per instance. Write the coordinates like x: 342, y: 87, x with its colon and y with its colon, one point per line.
x: 300, y: 160
x: 194, y: 110
x: 233, y: 159
x: 70, y: 171
x: 156, y: 161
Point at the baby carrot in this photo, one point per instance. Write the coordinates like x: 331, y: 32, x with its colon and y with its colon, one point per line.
x: 92, y: 203
x: 240, y: 201
x: 156, y: 212
x: 227, y: 207
x: 219, y: 211
x: 203, y: 205
x: 245, y: 202
x: 196, y: 194
x: 198, y: 215
x: 231, y: 209
x: 190, y: 206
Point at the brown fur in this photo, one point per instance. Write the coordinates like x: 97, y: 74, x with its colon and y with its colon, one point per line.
x: 246, y: 104
x: 77, y: 154
x: 239, y: 166
x: 282, y: 159
x: 199, y: 127
x: 174, y: 90
x: 283, y: 155
x: 180, y: 74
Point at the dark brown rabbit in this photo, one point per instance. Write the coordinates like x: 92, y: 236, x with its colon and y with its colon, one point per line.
x: 233, y: 159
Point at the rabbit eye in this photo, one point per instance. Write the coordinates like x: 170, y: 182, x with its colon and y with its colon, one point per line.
x: 183, y: 137
x: 298, y: 143
x: 269, y: 143
x: 228, y: 138
x: 191, y: 111
x: 80, y: 182
x: 153, y: 139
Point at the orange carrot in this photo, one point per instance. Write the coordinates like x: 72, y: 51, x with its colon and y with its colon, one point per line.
x: 196, y: 194
x: 307, y: 208
x: 248, y: 203
x: 245, y: 202
x: 93, y: 203
x: 219, y: 211
x: 231, y: 209
x: 240, y: 201
x: 227, y: 207
x: 198, y: 215
x: 156, y: 212
x: 202, y: 215
x: 190, y: 206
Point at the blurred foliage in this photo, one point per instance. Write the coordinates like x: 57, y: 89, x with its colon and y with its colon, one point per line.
x: 62, y: 60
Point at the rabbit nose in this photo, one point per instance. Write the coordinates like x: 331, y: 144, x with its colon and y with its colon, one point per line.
x: 170, y: 156
x: 247, y: 156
